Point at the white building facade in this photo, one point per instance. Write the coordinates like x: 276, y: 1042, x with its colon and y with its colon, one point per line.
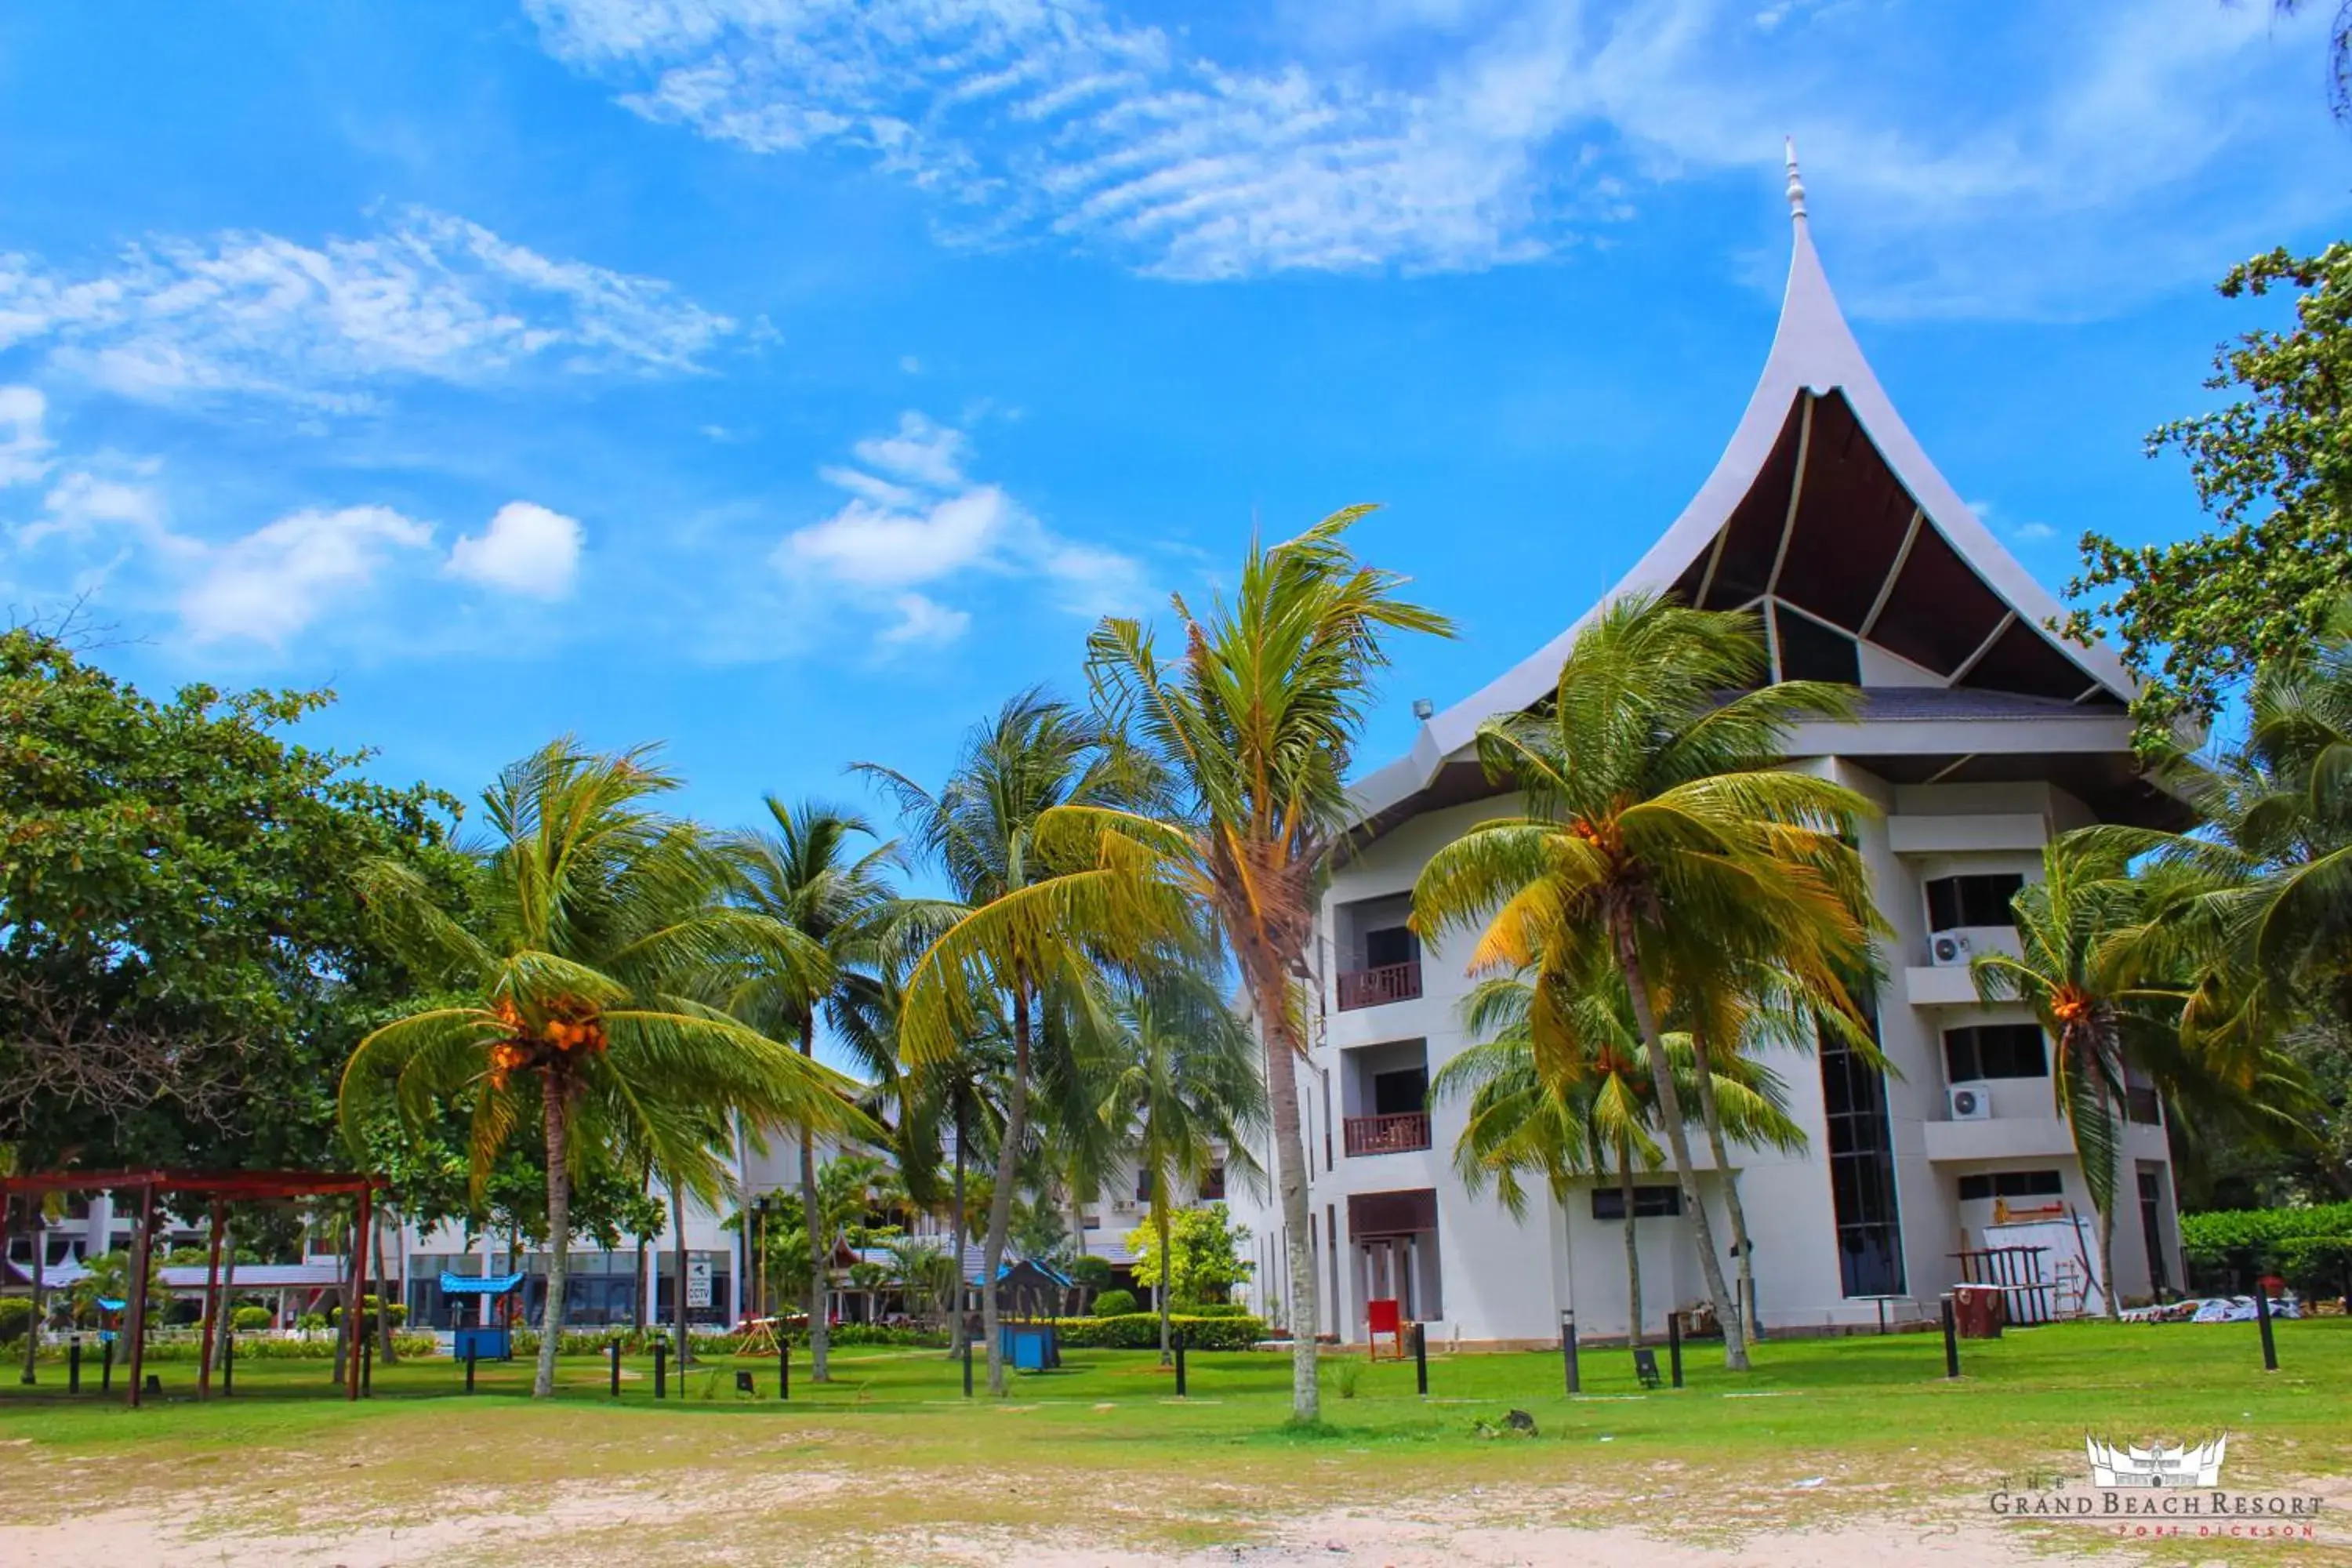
x: 1980, y: 736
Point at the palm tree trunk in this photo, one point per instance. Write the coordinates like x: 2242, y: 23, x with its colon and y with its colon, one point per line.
x: 1271, y: 988
x: 227, y: 1296
x: 2107, y: 1264
x: 385, y: 1350
x: 1167, y: 1266
x: 1000, y: 1202
x: 557, y: 1098
x: 1738, y: 1215
x: 1632, y: 1251
x: 678, y: 1275
x: 820, y: 1326
x: 33, y: 1323
x: 1670, y: 1112
x: 958, y: 1330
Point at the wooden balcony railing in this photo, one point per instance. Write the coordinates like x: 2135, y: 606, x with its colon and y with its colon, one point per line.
x: 1370, y: 987
x: 1398, y: 1134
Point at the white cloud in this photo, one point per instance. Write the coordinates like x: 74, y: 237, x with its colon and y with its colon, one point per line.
x: 23, y: 440
x: 276, y: 580
x: 910, y: 364
x: 428, y: 296
x: 528, y: 549
x: 923, y: 622
x: 920, y: 452
x: 2070, y: 161
x: 932, y: 525
x: 84, y: 504
x: 2033, y: 532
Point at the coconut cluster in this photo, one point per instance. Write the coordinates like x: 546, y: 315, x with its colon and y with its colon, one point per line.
x: 569, y: 1030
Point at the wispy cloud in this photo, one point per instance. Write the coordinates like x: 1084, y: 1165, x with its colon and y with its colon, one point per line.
x: 24, y: 434
x: 923, y: 522
x: 427, y: 296
x: 279, y: 579
x: 1431, y: 134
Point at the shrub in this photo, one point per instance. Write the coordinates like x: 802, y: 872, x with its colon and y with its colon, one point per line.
x: 246, y: 1318
x: 1217, y: 1310
x: 187, y: 1347
x: 1140, y: 1331
x: 1089, y: 1272
x: 14, y: 1313
x: 2311, y: 1247
x: 1115, y: 1304
x: 311, y: 1323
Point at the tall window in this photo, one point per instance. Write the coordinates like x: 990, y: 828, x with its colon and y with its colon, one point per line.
x: 1862, y: 1170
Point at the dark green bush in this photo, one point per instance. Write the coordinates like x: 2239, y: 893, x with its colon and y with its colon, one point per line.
x: 1114, y: 1303
x: 2311, y: 1248
x: 1140, y: 1331
x: 14, y: 1313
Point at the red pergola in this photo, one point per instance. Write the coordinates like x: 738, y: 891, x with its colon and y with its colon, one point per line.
x: 218, y: 1188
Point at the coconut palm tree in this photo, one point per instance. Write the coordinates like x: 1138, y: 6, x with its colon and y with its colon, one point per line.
x: 1654, y: 826
x: 1005, y: 953
x: 2082, y: 969
x: 1187, y: 1096
x: 599, y: 940
x: 1560, y: 1089
x: 803, y: 872
x: 1255, y: 721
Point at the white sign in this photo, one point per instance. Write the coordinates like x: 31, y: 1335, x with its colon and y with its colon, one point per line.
x: 697, y: 1281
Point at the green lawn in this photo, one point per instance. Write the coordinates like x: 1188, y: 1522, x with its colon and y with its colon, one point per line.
x: 1872, y: 1416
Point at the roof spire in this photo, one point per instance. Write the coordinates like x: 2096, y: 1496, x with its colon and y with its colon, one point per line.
x: 1796, y: 184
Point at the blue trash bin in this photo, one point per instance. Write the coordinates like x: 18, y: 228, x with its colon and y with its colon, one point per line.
x: 1030, y: 1347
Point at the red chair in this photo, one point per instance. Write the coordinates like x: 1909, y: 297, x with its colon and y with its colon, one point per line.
x: 1384, y: 1316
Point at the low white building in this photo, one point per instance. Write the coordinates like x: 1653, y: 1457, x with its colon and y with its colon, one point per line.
x: 1980, y: 736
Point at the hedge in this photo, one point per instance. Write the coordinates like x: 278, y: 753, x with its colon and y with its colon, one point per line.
x: 1140, y: 1331
x: 14, y: 1313
x: 2312, y: 1246
x: 269, y: 1347
x: 1115, y: 1304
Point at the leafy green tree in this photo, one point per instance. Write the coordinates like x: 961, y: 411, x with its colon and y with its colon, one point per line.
x: 2276, y: 468
x: 1655, y: 828
x: 803, y: 872
x: 1203, y: 1258
x: 1186, y: 1098
x: 183, y: 966
x: 600, y: 937
x: 1004, y: 954
x: 1256, y: 723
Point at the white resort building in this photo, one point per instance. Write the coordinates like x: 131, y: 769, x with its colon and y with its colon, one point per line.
x: 1980, y: 736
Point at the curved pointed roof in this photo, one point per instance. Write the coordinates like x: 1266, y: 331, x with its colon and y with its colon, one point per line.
x: 1825, y: 513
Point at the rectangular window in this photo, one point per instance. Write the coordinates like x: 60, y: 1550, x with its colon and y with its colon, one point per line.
x: 1994, y: 1050
x: 1390, y: 946
x: 1862, y: 1170
x: 1143, y: 1186
x: 1399, y: 1093
x: 1212, y: 1184
x: 1973, y: 901
x: 1987, y: 1185
x: 1651, y: 1201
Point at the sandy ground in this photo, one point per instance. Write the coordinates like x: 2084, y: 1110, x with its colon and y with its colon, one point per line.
x: 737, y: 1524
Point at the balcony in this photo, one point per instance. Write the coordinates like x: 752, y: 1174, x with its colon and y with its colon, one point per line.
x: 1370, y: 987
x: 1400, y: 1134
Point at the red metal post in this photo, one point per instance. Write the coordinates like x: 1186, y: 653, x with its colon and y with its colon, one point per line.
x: 212, y: 1308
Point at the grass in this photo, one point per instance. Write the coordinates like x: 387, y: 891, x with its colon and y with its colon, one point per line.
x: 890, y: 1445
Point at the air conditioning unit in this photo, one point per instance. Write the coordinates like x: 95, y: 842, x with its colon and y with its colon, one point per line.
x: 1122, y: 1206
x: 1970, y: 1102
x: 1951, y: 949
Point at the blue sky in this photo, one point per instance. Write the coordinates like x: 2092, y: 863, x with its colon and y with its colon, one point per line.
x: 793, y: 380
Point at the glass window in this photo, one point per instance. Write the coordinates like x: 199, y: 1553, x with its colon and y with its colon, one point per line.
x: 1651, y: 1201
x: 1973, y: 901
x: 1397, y: 1093
x: 1862, y: 1170
x: 1990, y: 1185
x: 1995, y: 1050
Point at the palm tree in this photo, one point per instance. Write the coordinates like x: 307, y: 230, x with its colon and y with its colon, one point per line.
x: 2081, y: 970
x: 1654, y: 828
x: 802, y: 874
x: 600, y: 936
x: 1561, y: 1091
x: 980, y: 830
x: 1188, y: 1094
x: 1255, y: 722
